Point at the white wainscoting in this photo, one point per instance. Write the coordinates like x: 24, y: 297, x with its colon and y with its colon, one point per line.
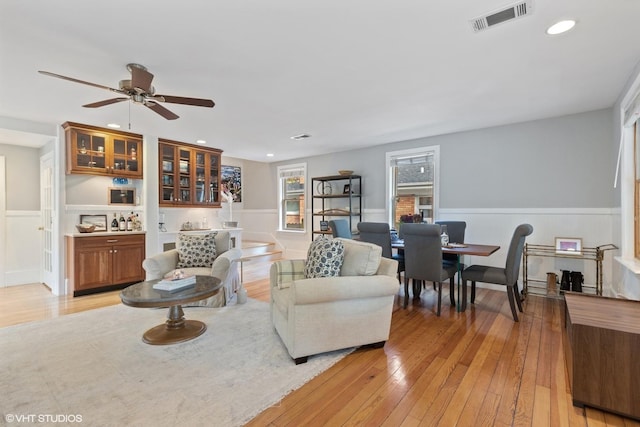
x: 487, y: 226
x: 23, y: 256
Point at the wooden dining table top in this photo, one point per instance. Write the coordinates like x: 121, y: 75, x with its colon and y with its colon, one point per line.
x: 462, y: 249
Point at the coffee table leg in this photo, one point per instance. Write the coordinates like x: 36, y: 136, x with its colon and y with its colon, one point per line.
x: 176, y: 329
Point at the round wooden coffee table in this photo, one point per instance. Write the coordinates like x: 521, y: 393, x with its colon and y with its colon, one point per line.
x: 176, y: 329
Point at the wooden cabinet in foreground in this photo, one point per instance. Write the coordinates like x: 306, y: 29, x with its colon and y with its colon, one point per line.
x: 97, y: 151
x: 601, y: 341
x: 102, y: 263
x: 189, y: 175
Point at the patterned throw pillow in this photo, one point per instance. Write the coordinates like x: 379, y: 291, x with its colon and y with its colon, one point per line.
x: 196, y: 250
x: 324, y: 258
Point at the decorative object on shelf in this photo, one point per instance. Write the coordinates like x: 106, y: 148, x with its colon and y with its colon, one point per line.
x: 120, y: 181
x: 324, y: 225
x: 346, y: 189
x: 345, y: 172
x: 98, y: 221
x: 86, y: 228
x: 334, y: 212
x: 324, y: 188
x: 231, y: 179
x: 122, y: 196
x: 568, y: 246
x: 228, y: 197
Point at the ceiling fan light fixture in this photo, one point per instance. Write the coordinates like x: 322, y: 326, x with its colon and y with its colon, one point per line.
x: 561, y: 27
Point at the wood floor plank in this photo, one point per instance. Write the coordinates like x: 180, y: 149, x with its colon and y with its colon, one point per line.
x: 476, y: 368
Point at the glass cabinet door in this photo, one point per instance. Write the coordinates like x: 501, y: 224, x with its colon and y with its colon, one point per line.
x: 126, y: 155
x: 168, y: 170
x: 214, y: 175
x: 200, y: 180
x: 184, y: 175
x: 89, y: 151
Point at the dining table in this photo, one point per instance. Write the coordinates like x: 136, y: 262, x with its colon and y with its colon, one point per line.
x: 459, y: 249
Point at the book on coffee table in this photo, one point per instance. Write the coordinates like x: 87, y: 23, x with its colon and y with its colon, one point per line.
x: 175, y: 284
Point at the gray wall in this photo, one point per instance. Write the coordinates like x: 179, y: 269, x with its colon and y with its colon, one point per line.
x: 562, y: 162
x: 23, y: 177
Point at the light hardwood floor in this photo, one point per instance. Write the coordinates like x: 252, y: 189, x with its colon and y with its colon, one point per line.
x: 466, y: 369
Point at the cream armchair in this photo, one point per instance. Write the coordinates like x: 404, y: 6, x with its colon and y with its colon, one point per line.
x: 225, y: 268
x: 317, y: 315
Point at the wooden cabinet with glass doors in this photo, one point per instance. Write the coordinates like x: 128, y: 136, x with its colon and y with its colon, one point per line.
x: 189, y: 175
x: 97, y: 151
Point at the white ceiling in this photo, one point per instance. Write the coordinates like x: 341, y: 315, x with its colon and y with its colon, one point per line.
x: 350, y: 73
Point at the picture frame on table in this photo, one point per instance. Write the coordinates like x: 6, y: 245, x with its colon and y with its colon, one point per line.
x: 568, y: 246
x: 100, y: 221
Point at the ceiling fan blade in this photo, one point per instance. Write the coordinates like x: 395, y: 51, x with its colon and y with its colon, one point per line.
x: 141, y: 79
x: 105, y: 102
x: 71, y: 79
x: 161, y: 110
x: 198, y: 102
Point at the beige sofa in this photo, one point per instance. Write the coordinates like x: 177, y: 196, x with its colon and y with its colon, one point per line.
x: 318, y: 315
x: 225, y: 268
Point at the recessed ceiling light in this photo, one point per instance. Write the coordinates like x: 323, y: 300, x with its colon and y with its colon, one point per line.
x: 301, y: 136
x: 114, y: 125
x: 269, y: 154
x: 201, y: 141
x: 561, y: 27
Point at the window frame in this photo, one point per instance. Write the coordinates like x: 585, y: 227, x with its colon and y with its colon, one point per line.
x: 391, y: 157
x: 283, y: 173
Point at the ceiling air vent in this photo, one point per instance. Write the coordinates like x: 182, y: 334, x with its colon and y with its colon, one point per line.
x: 508, y: 13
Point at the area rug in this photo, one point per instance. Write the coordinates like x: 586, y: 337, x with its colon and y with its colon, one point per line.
x: 94, y: 365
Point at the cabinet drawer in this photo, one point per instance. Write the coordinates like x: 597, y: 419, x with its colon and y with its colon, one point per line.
x: 84, y: 242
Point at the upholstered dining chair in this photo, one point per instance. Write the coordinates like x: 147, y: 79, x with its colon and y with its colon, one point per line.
x: 423, y: 260
x: 507, y: 276
x: 379, y: 233
x: 340, y: 228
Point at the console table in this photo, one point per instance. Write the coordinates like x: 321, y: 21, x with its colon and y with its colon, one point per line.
x: 601, y: 343
x: 538, y: 286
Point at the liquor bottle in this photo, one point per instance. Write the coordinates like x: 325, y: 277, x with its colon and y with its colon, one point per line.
x: 123, y: 223
x: 129, y: 222
x: 114, y: 223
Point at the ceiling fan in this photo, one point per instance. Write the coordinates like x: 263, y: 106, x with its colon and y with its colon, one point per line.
x: 139, y: 90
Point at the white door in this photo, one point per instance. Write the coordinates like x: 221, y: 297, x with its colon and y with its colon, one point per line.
x: 48, y: 215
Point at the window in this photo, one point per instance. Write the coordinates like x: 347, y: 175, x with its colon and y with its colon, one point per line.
x: 291, y: 193
x: 412, y: 184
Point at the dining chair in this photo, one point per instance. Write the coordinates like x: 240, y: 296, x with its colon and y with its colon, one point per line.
x: 379, y: 233
x: 340, y: 228
x: 423, y: 260
x: 507, y: 276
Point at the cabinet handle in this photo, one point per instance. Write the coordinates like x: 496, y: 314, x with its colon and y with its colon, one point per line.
x: 112, y: 240
x: 110, y: 251
x: 115, y: 251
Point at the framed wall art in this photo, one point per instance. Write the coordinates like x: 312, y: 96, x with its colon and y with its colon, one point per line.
x: 231, y: 177
x: 122, y: 196
x: 568, y: 246
x: 100, y: 221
